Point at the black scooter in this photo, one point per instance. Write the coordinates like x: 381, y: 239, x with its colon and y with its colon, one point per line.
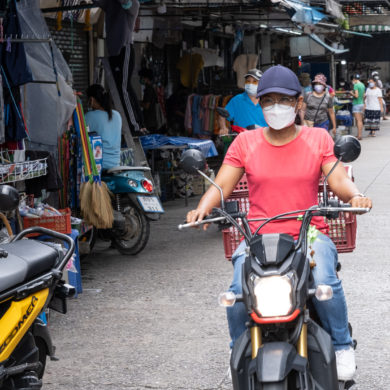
x: 285, y: 346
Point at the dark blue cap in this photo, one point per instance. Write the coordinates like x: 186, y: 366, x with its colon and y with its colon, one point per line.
x: 279, y: 79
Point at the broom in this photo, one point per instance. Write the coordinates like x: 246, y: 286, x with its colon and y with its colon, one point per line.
x: 96, y: 204
x: 85, y: 187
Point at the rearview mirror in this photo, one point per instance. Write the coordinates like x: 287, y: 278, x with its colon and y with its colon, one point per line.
x: 347, y: 148
x: 9, y: 198
x: 192, y: 161
x: 223, y: 112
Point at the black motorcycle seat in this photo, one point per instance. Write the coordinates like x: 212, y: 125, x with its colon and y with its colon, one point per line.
x: 114, y: 170
x: 26, y: 260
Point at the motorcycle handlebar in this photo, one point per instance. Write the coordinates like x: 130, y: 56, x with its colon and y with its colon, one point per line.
x: 344, y: 207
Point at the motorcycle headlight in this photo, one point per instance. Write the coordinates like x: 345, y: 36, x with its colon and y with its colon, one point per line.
x: 274, y: 295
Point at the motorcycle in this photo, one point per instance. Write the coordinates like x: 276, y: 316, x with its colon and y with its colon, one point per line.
x: 134, y: 204
x: 30, y: 282
x: 284, y: 346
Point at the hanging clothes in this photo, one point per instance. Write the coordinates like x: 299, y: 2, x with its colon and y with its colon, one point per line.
x: 15, y: 72
x: 50, y: 182
x: 190, y: 66
x: 13, y: 55
x: 242, y: 64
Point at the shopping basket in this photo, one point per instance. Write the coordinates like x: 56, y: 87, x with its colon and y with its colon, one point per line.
x: 342, y: 230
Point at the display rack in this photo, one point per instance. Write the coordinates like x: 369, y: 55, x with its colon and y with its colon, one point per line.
x: 12, y: 172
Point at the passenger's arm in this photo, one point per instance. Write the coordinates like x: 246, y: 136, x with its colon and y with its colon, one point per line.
x: 344, y: 187
x: 227, y: 179
x: 222, y: 126
x: 332, y: 116
x: 302, y: 112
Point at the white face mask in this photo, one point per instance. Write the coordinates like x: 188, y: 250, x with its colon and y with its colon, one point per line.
x: 251, y: 89
x: 319, y: 88
x: 371, y: 85
x: 279, y: 116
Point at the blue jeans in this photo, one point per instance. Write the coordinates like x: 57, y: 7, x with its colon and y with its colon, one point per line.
x: 333, y: 313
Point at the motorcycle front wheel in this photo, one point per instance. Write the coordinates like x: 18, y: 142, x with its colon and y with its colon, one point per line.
x: 137, y: 231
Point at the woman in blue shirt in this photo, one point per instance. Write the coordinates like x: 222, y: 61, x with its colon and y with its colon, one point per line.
x: 106, y: 122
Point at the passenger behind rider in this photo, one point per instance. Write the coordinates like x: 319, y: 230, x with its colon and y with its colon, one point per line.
x: 281, y: 159
x: 244, y: 108
x: 106, y: 122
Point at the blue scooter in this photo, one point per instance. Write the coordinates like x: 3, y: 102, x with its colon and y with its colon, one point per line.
x: 134, y: 204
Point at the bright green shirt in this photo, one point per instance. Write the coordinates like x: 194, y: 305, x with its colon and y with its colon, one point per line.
x: 359, y: 86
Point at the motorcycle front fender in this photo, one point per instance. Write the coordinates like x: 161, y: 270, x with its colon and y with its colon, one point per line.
x: 276, y: 360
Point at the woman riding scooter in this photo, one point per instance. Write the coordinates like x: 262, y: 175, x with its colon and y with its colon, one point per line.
x: 106, y: 122
x: 134, y: 201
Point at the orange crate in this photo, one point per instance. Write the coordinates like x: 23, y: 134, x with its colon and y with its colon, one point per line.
x: 58, y: 223
x: 342, y: 230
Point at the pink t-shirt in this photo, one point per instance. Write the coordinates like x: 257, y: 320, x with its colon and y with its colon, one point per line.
x: 282, y: 178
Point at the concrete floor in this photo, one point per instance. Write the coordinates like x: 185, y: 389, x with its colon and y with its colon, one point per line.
x: 152, y: 321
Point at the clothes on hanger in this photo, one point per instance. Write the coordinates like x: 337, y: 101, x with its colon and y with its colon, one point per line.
x: 242, y: 64
x: 190, y: 66
x: 50, y: 182
x: 201, y: 119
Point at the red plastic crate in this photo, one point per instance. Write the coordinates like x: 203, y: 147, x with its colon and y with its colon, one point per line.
x: 58, y: 223
x: 342, y: 230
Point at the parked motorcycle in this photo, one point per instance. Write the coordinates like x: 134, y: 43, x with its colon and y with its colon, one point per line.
x: 134, y: 204
x: 30, y: 282
x: 285, y: 346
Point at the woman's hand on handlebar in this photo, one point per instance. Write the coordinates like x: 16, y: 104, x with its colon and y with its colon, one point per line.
x: 360, y: 201
x: 197, y: 216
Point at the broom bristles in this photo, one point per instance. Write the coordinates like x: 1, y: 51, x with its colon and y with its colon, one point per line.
x: 95, y: 205
x: 101, y: 213
x: 85, y: 201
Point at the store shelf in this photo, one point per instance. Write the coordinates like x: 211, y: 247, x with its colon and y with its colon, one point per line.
x: 13, y: 172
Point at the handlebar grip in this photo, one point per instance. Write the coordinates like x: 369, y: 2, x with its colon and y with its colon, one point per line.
x: 208, y: 219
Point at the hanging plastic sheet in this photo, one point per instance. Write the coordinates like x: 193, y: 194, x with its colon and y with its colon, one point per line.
x: 48, y: 107
x: 155, y: 141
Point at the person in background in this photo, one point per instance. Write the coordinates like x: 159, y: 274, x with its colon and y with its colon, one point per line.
x: 149, y: 100
x: 106, y: 122
x: 379, y: 84
x: 244, y: 109
x: 358, y: 103
x: 343, y: 85
x: 317, y: 106
x: 304, y: 79
x: 373, y: 107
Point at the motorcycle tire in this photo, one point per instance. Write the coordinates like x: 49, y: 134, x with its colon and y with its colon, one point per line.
x: 91, y: 237
x: 137, y: 241
x: 276, y: 385
x: 40, y: 343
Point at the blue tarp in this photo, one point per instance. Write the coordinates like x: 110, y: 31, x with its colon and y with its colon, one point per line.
x: 155, y: 141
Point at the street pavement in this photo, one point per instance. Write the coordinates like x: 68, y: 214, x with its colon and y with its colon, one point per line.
x: 152, y: 321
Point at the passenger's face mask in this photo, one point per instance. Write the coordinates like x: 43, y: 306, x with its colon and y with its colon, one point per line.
x: 342, y: 84
x: 371, y: 85
x: 319, y: 88
x: 279, y: 117
x: 251, y: 89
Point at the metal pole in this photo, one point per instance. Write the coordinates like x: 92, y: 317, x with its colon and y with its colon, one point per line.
x: 332, y: 71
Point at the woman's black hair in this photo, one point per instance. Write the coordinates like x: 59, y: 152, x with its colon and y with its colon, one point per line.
x: 102, y: 97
